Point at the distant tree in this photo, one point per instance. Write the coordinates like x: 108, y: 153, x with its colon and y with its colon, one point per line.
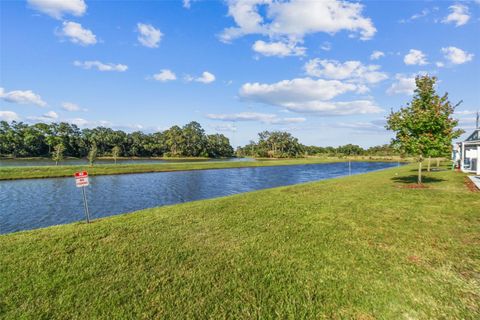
x: 116, y: 153
x: 425, y: 127
x: 350, y: 150
x: 57, y: 154
x: 92, y: 155
x: 218, y: 146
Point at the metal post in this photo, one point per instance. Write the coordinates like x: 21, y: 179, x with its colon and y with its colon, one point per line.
x: 87, y: 214
x: 349, y: 167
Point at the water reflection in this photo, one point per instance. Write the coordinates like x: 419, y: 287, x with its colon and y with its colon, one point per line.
x: 29, y: 204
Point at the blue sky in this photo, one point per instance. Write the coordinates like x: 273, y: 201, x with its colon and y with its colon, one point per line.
x: 326, y: 71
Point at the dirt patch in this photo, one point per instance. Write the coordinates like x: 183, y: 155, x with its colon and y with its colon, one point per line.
x: 470, y: 185
x: 414, y: 259
x: 414, y: 186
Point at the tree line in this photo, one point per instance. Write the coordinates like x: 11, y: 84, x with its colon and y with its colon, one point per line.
x: 18, y: 139
x: 59, y: 140
x: 278, y: 144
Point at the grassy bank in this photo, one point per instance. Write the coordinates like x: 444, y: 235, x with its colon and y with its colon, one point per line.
x: 11, y: 173
x: 359, y: 247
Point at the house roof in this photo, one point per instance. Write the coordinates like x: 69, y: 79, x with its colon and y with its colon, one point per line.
x: 475, y: 136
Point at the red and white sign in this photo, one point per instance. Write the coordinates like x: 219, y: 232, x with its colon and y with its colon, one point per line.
x: 81, y: 179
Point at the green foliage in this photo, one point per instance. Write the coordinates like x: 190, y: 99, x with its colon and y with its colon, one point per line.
x: 425, y: 127
x: 57, y: 154
x: 275, y: 144
x: 116, y: 153
x: 22, y: 140
x: 92, y: 154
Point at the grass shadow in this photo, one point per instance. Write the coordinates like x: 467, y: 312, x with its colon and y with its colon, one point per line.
x: 413, y: 179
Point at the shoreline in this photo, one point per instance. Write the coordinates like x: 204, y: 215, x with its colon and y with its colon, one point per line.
x: 44, y: 172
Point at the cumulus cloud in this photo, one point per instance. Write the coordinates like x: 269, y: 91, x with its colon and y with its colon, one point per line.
x: 296, y: 18
x: 267, y: 118
x: 306, y: 95
x: 403, y: 85
x: 22, y: 97
x: 224, y: 127
x: 165, y: 75
x: 58, y: 8
x: 46, y: 117
x: 456, y: 55
x: 148, y: 36
x: 299, y: 89
x: 377, y: 55
x: 100, y: 66
x: 459, y: 15
x: 71, y: 107
x: 352, y: 71
x: 374, y: 126
x: 326, y: 46
x: 415, y: 57
x: 9, y: 116
x: 279, y: 49
x: 206, y: 77
x: 77, y: 34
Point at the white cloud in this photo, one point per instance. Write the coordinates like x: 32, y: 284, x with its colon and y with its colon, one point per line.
x: 267, y: 118
x: 225, y: 127
x: 51, y: 115
x: 296, y: 18
x: 165, y: 75
x: 279, y: 49
x: 46, y: 117
x: 377, y: 55
x: 149, y: 36
x: 9, y: 116
x: 299, y: 89
x: 69, y: 106
x: 100, y: 66
x: 465, y: 112
x: 22, y: 97
x: 187, y: 4
x: 353, y: 71
x: 456, y: 55
x: 403, y: 85
x: 308, y: 95
x: 415, y: 57
x: 206, y: 77
x: 58, y: 8
x: 439, y: 64
x: 459, y: 15
x: 326, y: 46
x: 374, y: 126
x: 77, y: 34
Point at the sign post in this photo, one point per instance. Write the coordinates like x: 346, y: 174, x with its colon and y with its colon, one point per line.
x: 81, y: 180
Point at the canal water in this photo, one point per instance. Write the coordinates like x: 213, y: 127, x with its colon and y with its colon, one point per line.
x: 36, y: 203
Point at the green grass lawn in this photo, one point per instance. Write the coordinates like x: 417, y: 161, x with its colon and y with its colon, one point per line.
x: 359, y: 247
x: 12, y: 173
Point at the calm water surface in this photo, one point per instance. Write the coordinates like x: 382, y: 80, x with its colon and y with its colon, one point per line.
x: 35, y: 203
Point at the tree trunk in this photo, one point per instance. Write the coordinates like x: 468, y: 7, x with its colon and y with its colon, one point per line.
x: 428, y: 164
x: 419, y: 172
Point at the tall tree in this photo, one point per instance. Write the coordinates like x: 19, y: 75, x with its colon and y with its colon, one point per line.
x: 424, y: 127
x: 115, y: 153
x: 92, y: 155
x: 57, y: 154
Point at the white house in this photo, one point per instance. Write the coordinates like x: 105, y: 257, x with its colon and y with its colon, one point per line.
x: 467, y: 153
